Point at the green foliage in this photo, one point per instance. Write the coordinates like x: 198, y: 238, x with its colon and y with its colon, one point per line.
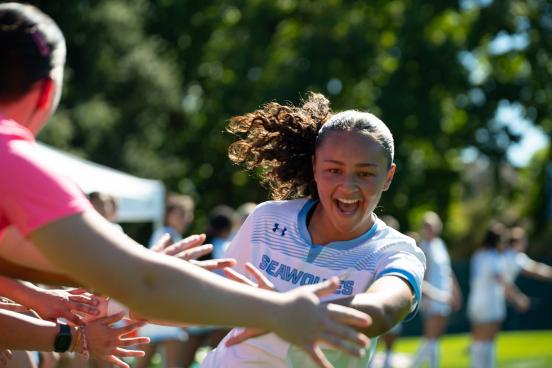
x: 151, y: 84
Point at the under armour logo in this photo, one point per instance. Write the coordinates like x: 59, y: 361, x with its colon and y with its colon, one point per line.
x: 277, y: 228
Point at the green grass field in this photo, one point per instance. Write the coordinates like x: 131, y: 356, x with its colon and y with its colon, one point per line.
x: 520, y: 349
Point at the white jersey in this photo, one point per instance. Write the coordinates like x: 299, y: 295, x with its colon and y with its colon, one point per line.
x: 439, y: 271
x: 486, y: 301
x: 275, y: 239
x: 514, y: 262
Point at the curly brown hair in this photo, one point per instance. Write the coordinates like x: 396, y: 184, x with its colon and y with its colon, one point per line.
x: 280, y: 140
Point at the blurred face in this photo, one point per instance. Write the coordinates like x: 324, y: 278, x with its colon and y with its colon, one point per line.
x: 178, y: 220
x: 351, y: 172
x: 428, y: 232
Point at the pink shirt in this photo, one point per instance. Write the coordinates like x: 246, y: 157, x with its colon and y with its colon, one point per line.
x: 31, y: 193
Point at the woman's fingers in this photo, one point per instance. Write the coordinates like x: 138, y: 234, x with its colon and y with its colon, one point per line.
x: 161, y: 243
x: 345, y: 333
x: 130, y: 327
x: 238, y: 277
x: 214, y: 264
x: 343, y: 345
x: 318, y: 356
x: 262, y: 280
x: 109, y: 320
x: 14, y: 307
x: 189, y: 242
x: 349, y: 316
x: 128, y: 353
x: 323, y: 288
x: 84, y: 299
x: 195, y: 253
x: 86, y: 309
x: 116, y: 361
x: 132, y: 341
x: 78, y: 291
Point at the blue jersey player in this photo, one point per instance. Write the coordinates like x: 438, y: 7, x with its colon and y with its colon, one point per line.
x: 327, y: 173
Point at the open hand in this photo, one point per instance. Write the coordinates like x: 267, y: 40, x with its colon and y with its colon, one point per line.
x: 68, y: 304
x: 108, y: 343
x: 189, y: 249
x: 306, y: 323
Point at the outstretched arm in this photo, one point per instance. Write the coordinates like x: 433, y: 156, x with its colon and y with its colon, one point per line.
x: 50, y: 304
x: 537, y: 270
x: 520, y: 301
x: 86, y: 247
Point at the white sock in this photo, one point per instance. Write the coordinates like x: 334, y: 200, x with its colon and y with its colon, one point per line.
x: 387, y: 359
x: 424, y: 353
x: 433, y: 352
x: 483, y: 354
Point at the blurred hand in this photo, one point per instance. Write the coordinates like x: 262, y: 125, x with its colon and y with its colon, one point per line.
x: 68, y: 304
x: 522, y: 303
x: 189, y: 249
x: 455, y: 303
x: 108, y: 343
x: 262, y: 282
x: 306, y: 322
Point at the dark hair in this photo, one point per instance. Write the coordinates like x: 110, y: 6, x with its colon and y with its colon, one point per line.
x: 33, y: 48
x: 221, y: 218
x: 494, y: 236
x: 281, y: 141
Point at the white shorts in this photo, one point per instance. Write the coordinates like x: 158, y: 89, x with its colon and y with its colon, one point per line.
x: 432, y: 308
x: 485, y: 311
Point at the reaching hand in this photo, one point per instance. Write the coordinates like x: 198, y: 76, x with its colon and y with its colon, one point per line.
x: 306, y: 323
x: 262, y: 281
x: 108, y: 343
x: 189, y: 249
x: 522, y: 303
x: 53, y: 304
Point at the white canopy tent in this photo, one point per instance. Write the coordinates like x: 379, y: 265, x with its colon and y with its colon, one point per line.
x: 138, y: 199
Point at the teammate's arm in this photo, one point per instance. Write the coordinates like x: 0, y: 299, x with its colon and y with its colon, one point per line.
x: 537, y: 270
x: 520, y: 301
x: 387, y: 301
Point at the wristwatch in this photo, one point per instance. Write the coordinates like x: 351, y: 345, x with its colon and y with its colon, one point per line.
x: 63, y: 339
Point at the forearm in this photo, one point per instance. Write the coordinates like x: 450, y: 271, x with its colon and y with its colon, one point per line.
x: 17, y: 291
x: 15, y: 271
x: 150, y: 284
x: 539, y: 271
x: 511, y: 291
x: 20, y: 332
x: 386, y: 303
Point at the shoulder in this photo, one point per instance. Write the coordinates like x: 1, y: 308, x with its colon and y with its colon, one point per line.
x: 391, y: 240
x: 277, y: 208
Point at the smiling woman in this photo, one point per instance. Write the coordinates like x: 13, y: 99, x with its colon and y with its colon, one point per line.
x: 334, y: 169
